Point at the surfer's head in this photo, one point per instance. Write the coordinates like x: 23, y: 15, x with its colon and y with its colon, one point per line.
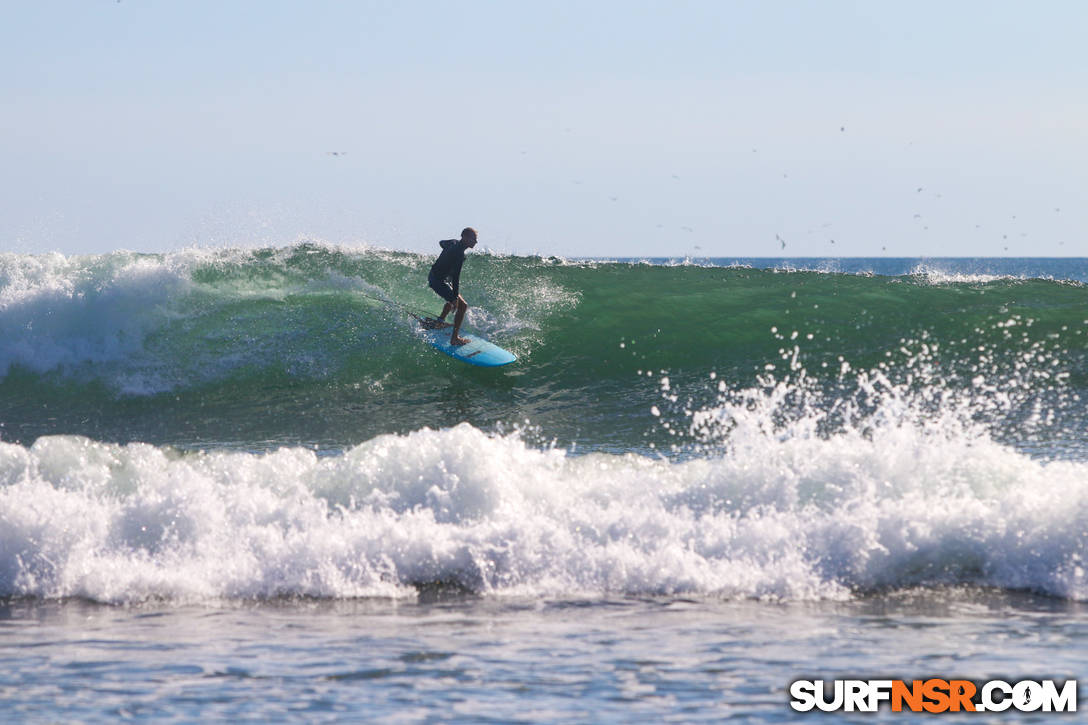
x: 468, y: 237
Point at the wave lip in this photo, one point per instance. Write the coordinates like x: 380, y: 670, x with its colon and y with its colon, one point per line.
x: 800, y: 518
x: 59, y: 313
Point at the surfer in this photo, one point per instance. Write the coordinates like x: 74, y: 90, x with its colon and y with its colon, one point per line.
x: 445, y: 279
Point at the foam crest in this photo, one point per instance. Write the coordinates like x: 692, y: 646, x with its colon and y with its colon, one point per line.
x: 798, y: 516
x: 933, y: 275
x: 58, y: 312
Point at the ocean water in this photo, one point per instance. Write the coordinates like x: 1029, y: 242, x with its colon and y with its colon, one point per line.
x: 234, y: 483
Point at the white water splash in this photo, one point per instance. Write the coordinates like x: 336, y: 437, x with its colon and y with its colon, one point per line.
x: 786, y: 517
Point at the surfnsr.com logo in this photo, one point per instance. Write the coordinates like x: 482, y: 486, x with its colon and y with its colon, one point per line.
x: 934, y: 695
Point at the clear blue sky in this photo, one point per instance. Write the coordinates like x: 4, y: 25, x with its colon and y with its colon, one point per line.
x: 612, y: 128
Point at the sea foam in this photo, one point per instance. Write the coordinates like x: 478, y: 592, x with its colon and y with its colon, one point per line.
x: 798, y: 517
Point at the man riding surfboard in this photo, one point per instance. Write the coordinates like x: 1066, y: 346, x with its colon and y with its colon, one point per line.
x: 445, y: 279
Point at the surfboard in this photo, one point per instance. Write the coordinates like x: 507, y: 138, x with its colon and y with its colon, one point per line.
x: 477, y: 351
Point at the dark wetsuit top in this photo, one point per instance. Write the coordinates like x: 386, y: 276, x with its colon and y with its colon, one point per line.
x: 448, y: 264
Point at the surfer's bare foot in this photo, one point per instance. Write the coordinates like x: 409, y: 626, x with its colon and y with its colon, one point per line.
x: 457, y: 341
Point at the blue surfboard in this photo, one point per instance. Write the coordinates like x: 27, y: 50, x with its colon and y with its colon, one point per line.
x: 477, y: 351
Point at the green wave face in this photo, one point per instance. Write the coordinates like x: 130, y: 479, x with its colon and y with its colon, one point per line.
x: 312, y: 344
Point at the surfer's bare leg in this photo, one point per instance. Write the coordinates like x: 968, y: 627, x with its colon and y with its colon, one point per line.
x: 445, y: 311
x: 462, y: 307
